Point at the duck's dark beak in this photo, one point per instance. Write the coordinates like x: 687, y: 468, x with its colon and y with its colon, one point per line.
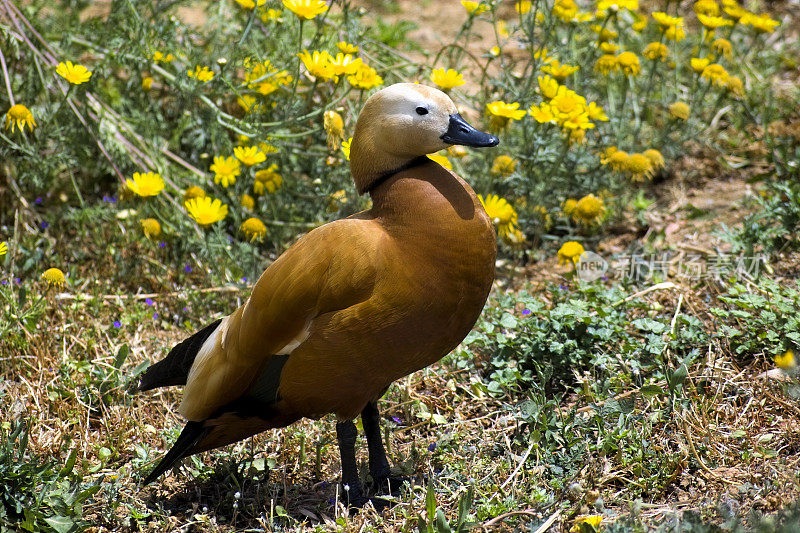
x: 460, y: 132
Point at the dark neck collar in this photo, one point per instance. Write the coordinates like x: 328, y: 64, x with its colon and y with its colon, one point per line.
x: 386, y: 175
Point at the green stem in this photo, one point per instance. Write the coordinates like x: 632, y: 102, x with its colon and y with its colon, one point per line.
x: 249, y: 25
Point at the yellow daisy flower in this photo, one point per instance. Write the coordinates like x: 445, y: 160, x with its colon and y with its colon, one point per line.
x: 160, y: 57
x: 596, y: 112
x: 333, y: 124
x: 253, y: 229
x: 675, y: 33
x: 19, y: 116
x: 501, y: 113
x: 680, y: 110
x: 639, y: 22
x: 474, y: 8
x: 3, y: 248
x: 604, y: 34
x: 566, y: 102
x: 699, y: 64
x: 346, y: 148
x: 75, y: 74
x: 609, y: 48
x: 54, y: 276
x: 716, y: 74
x: 205, y: 211
x: 523, y: 7
x: 655, y: 157
x: 249, y: 155
x: 786, y: 360
x: 447, y: 79
x: 272, y: 15
x: 558, y: 71
x: 565, y: 10
x: 639, y: 166
x: 250, y: 4
x: 706, y: 7
x: 723, y: 47
x: 655, y: 51
x: 543, y: 113
x: 336, y: 200
x: 248, y: 202
x: 570, y: 252
x: 151, y: 228
x: 616, y: 5
x: 193, y: 192
x: 606, y: 64
x: 501, y: 212
x: 346, y: 47
x: 629, y: 63
x: 442, y: 160
x: 614, y: 158
x: 225, y: 170
x: 365, y: 78
x: 345, y: 64
x: 306, y: 9
x: 145, y: 183
x: 504, y: 165
x: 762, y: 23
x: 201, y: 73
x: 666, y: 21
x: 267, y: 180
x: 548, y: 86
x: 713, y: 23
x: 513, y: 237
x: 734, y: 85
x: 457, y: 151
x: 592, y: 520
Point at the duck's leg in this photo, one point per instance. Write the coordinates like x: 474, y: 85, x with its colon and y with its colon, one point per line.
x: 346, y: 434
x: 378, y: 464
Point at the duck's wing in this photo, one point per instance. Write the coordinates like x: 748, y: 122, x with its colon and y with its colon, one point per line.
x: 333, y: 267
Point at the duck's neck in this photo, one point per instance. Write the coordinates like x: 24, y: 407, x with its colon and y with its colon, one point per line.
x: 372, y: 158
x: 386, y: 176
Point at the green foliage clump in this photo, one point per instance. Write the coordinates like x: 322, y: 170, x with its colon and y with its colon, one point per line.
x: 35, y: 493
x: 761, y: 322
x: 586, y: 329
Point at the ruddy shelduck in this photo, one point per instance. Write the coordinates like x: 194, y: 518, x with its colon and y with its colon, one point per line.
x: 354, y: 304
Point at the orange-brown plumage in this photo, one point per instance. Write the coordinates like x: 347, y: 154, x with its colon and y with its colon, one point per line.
x: 357, y: 303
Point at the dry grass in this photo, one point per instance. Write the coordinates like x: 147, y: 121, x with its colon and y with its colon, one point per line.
x: 720, y: 442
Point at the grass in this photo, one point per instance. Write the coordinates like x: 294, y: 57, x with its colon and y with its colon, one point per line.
x: 539, y: 442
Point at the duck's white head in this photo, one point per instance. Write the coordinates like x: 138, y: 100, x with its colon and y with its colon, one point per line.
x: 403, y: 122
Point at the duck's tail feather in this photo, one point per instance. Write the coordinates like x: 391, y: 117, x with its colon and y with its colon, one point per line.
x: 192, y: 433
x: 174, y: 368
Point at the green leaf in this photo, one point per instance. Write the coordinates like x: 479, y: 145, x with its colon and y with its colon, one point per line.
x: 70, y: 464
x: 652, y: 390
x: 647, y: 324
x: 678, y: 377
x: 62, y: 524
x: 122, y: 356
x: 430, y: 502
x: 441, y: 523
x: 509, y: 321
x: 464, y: 505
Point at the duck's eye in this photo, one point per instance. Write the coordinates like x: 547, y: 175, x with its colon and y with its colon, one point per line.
x: 422, y: 110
